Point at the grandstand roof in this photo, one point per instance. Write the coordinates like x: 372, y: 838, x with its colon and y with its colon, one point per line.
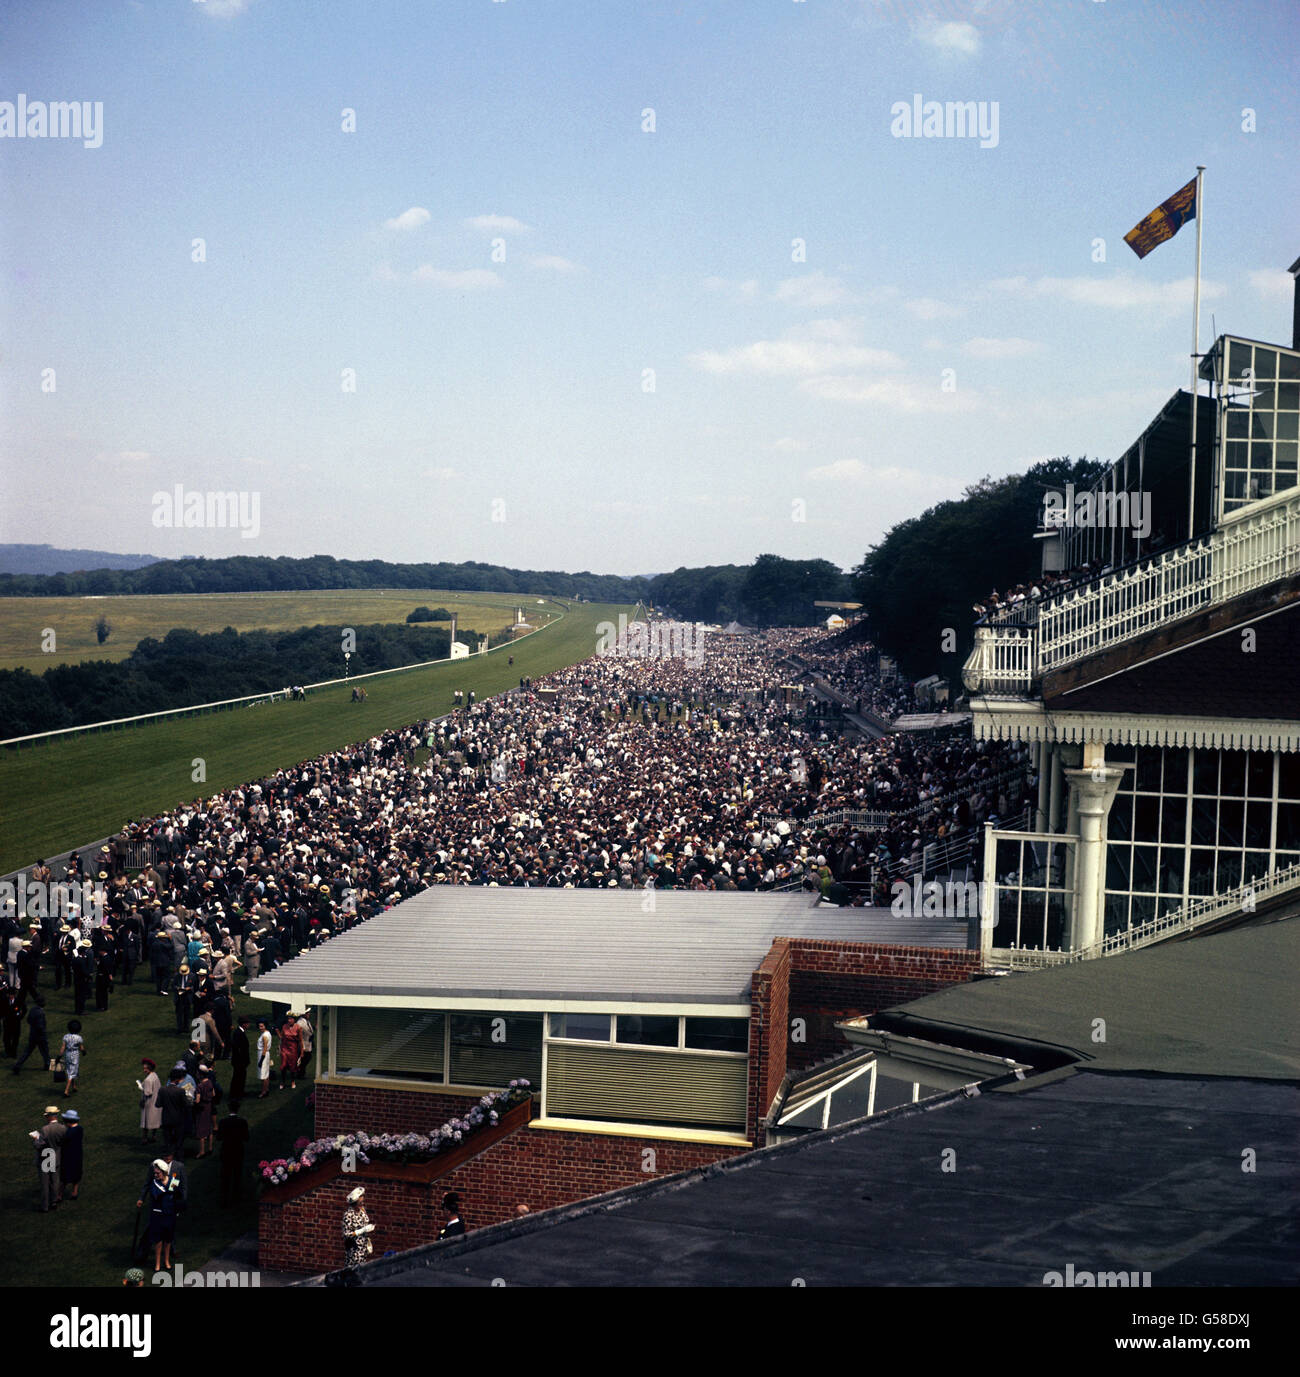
x: 558, y: 946
x: 1113, y: 1174
x: 1127, y: 1161
x: 1222, y: 1004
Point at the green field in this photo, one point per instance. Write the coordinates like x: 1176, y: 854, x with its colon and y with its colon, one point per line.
x: 76, y: 789
x: 24, y: 622
x: 88, y: 1243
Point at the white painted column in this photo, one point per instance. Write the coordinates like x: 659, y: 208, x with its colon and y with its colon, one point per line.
x: 1054, y: 794
x: 1044, y: 767
x: 1092, y: 791
x: 988, y: 904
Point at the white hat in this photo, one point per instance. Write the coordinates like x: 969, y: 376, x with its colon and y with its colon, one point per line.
x: 355, y: 1195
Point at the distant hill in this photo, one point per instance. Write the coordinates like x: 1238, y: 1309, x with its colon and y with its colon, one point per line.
x: 263, y: 573
x: 47, y: 559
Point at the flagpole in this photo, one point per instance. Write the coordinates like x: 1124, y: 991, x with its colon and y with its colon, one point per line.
x: 1196, y: 346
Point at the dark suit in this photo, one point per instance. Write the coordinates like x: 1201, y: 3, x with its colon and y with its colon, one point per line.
x: 175, y: 1115
x: 239, y: 1058
x: 36, y: 1039
x: 232, y: 1134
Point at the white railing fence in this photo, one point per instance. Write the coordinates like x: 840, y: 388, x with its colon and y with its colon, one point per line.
x: 1247, y: 552
x: 1188, y: 918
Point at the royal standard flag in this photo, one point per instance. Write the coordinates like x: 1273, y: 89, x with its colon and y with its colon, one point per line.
x: 1163, y: 222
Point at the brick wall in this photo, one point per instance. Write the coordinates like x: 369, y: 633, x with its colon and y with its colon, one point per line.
x: 540, y: 1168
x: 769, y: 1034
x: 376, y: 1109
x: 832, y: 981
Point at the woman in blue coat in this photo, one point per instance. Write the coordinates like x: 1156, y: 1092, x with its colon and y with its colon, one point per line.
x: 73, y: 1157
x: 162, y: 1215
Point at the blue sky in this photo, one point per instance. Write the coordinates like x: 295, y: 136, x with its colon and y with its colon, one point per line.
x: 782, y: 389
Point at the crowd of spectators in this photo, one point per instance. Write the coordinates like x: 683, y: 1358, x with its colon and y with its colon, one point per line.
x: 701, y: 771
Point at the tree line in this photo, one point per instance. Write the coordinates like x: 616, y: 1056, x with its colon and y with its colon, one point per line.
x: 922, y: 580
x: 281, y: 574
x: 188, y: 667
x: 770, y: 592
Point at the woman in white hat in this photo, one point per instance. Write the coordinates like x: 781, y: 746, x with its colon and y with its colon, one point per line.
x: 357, y: 1229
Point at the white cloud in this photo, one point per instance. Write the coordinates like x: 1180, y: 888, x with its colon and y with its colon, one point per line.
x: 124, y: 456
x: 787, y: 444
x: 739, y: 291
x: 468, y: 279
x: 927, y: 308
x: 985, y: 347
x: 439, y: 471
x: 409, y: 219
x: 1119, y: 293
x: 791, y: 357
x: 498, y: 224
x: 841, y: 469
x: 897, y: 394
x: 953, y: 39
x: 855, y: 471
x: 224, y: 9
x: 811, y: 291
x: 1273, y: 284
x: 552, y: 262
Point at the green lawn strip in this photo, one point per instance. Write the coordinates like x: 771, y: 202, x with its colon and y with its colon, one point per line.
x: 88, y: 1243
x: 73, y: 790
x: 25, y: 623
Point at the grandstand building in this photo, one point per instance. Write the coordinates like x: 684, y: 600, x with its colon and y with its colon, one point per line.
x: 658, y: 1031
x: 1158, y: 689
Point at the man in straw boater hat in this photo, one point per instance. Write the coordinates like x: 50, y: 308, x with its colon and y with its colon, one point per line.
x: 48, y: 1141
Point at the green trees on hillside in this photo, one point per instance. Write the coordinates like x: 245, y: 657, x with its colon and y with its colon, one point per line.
x: 186, y: 667
x: 924, y: 576
x: 770, y: 592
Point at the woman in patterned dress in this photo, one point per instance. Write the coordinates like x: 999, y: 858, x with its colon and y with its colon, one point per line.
x: 73, y: 1047
x: 357, y: 1229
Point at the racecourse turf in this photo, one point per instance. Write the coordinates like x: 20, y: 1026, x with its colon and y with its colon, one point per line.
x: 72, y: 790
x: 88, y: 1243
x: 26, y: 623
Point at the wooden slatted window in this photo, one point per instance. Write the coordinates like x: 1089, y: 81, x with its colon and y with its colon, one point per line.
x: 641, y: 1086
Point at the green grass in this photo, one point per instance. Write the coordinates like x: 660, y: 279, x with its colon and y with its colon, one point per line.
x: 88, y: 1243
x: 73, y: 790
x: 85, y: 788
x: 24, y: 621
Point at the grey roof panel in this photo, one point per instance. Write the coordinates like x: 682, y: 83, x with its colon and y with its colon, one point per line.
x: 692, y: 947
x: 1038, y: 1184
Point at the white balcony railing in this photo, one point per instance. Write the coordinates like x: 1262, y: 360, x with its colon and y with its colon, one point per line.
x: 1249, y: 551
x: 1177, y: 922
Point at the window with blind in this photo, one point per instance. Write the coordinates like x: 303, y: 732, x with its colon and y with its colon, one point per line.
x: 401, y: 1042
x: 492, y: 1049
x: 629, y: 1084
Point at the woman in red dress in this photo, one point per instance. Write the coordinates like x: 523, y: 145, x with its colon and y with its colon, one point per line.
x: 290, y: 1051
